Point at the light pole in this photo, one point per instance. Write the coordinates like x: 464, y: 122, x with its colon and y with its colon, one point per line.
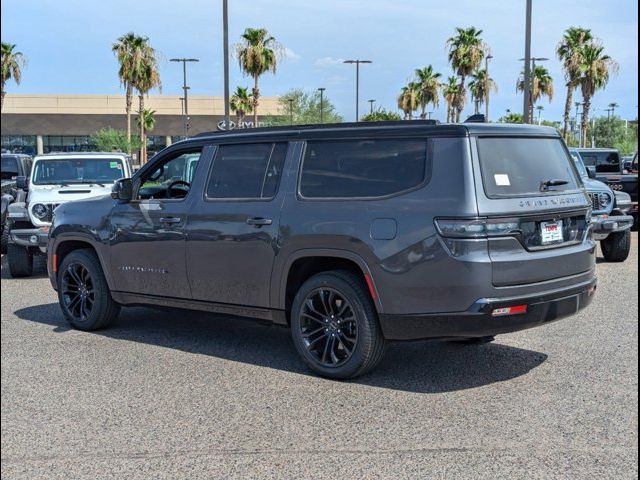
x: 486, y: 87
x: 539, y: 108
x: 529, y: 84
x: 357, y: 63
x: 225, y: 40
x: 612, y: 107
x: 527, y: 64
x: 290, y: 100
x: 185, y: 88
x: 321, y: 90
x: 371, y: 102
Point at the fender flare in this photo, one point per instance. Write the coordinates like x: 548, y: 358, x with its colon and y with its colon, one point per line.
x: 85, y: 238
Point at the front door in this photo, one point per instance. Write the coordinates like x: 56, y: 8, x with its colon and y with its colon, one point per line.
x: 148, y: 233
x: 232, y: 234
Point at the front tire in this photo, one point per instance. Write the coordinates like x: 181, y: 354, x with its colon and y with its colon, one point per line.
x: 83, y: 292
x: 616, y: 247
x: 20, y: 261
x: 334, y: 326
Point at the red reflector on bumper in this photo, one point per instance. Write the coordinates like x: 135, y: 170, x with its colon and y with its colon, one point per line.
x: 499, y: 312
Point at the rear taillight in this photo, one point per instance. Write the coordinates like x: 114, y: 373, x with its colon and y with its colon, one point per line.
x: 477, y: 228
x: 515, y: 310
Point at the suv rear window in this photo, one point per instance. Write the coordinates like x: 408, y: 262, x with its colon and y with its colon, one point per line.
x: 605, y: 162
x: 518, y: 166
x: 363, y: 168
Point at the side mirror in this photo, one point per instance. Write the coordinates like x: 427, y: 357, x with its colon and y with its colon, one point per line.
x: 591, y: 172
x: 122, y: 190
x: 22, y: 183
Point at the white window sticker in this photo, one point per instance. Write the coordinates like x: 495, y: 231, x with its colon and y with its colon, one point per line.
x: 502, y: 180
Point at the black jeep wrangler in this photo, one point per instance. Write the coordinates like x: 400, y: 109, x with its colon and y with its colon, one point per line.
x: 351, y: 235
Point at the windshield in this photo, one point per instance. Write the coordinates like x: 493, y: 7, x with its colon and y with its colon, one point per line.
x: 9, y: 168
x: 77, y: 170
x: 582, y: 170
x: 519, y: 166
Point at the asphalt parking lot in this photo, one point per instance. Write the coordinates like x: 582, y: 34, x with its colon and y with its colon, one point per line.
x: 169, y: 394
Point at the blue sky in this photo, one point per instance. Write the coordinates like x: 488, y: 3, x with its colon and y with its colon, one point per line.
x: 67, y: 43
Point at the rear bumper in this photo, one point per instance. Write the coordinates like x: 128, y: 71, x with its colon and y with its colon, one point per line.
x: 603, y: 226
x: 30, y: 237
x: 478, y: 321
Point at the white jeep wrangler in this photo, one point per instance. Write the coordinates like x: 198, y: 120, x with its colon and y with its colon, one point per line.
x: 55, y: 179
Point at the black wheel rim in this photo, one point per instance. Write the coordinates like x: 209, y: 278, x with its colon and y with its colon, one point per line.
x: 328, y: 327
x: 77, y: 291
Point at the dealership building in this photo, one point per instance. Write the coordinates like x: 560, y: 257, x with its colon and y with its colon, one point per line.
x: 36, y: 124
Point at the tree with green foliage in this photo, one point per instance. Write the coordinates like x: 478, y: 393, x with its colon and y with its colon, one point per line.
x: 511, y: 117
x: 451, y: 92
x: 12, y: 64
x: 466, y: 52
x: 613, y: 132
x: 409, y: 99
x: 241, y: 103
x: 542, y: 86
x: 257, y: 54
x: 299, y: 107
x: 480, y: 87
x: 569, y: 52
x: 381, y: 115
x: 429, y: 84
x: 112, y: 140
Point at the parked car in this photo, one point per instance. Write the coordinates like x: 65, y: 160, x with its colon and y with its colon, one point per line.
x: 55, y: 179
x: 351, y: 235
x: 610, y: 222
x: 608, y: 168
x: 13, y: 166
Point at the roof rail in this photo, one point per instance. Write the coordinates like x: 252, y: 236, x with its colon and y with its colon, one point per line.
x: 321, y: 126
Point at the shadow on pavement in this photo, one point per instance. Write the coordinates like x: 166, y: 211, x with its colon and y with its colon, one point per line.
x: 422, y: 367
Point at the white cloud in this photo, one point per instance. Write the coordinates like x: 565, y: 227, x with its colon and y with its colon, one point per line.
x: 327, y: 62
x: 291, y: 55
x: 335, y: 80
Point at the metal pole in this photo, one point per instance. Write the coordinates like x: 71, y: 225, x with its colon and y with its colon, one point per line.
x: 527, y: 65
x: 186, y: 101
x: 290, y: 111
x: 321, y: 89
x: 225, y: 35
x: 371, y: 102
x: 486, y: 87
x: 357, y: 88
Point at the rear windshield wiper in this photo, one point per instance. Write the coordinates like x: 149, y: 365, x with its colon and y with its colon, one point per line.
x: 546, y: 184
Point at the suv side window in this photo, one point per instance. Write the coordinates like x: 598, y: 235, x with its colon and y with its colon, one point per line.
x: 246, y: 171
x: 171, y: 178
x: 363, y: 168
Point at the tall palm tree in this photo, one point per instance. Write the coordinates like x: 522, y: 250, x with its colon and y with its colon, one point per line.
x: 542, y: 86
x: 241, y: 103
x: 129, y: 50
x: 257, y: 54
x: 466, y: 52
x: 145, y: 79
x: 149, y: 120
x: 450, y: 92
x: 569, y: 52
x: 429, y: 88
x: 409, y: 99
x: 595, y: 70
x: 12, y: 64
x: 480, y: 87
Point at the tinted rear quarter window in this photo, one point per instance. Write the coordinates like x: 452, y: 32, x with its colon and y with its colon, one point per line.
x: 517, y: 166
x: 363, y: 168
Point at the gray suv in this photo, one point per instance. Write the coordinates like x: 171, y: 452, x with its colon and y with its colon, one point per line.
x: 350, y: 235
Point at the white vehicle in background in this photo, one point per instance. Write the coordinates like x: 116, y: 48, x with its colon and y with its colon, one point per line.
x: 55, y: 179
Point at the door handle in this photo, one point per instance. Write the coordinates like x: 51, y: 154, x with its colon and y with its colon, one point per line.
x: 259, y: 221
x: 169, y: 219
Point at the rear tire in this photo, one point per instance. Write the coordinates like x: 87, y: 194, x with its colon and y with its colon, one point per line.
x: 83, y: 292
x: 334, y: 326
x: 20, y: 261
x: 616, y: 247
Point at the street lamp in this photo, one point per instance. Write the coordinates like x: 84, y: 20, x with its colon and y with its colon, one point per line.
x: 486, y: 87
x: 185, y: 88
x: 371, y: 102
x: 290, y: 100
x: 357, y: 62
x: 225, y: 41
x: 527, y: 63
x: 321, y: 90
x: 540, y: 108
x: 612, y: 107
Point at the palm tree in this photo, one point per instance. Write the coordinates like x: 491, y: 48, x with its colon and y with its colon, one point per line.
x: 429, y: 89
x: 257, y: 54
x: 466, y: 52
x: 569, y: 52
x: 409, y: 99
x: 450, y: 92
x: 480, y: 87
x: 542, y: 85
x: 129, y: 49
x: 241, y: 103
x: 595, y: 69
x: 145, y: 79
x: 12, y: 64
x: 149, y: 120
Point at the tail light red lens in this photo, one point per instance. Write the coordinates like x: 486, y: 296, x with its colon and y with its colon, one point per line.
x: 515, y: 310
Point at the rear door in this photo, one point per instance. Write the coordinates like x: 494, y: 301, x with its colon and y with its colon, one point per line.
x: 532, y: 184
x: 232, y: 233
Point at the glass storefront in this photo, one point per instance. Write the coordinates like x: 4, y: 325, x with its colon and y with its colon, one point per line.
x: 64, y: 143
x: 19, y: 144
